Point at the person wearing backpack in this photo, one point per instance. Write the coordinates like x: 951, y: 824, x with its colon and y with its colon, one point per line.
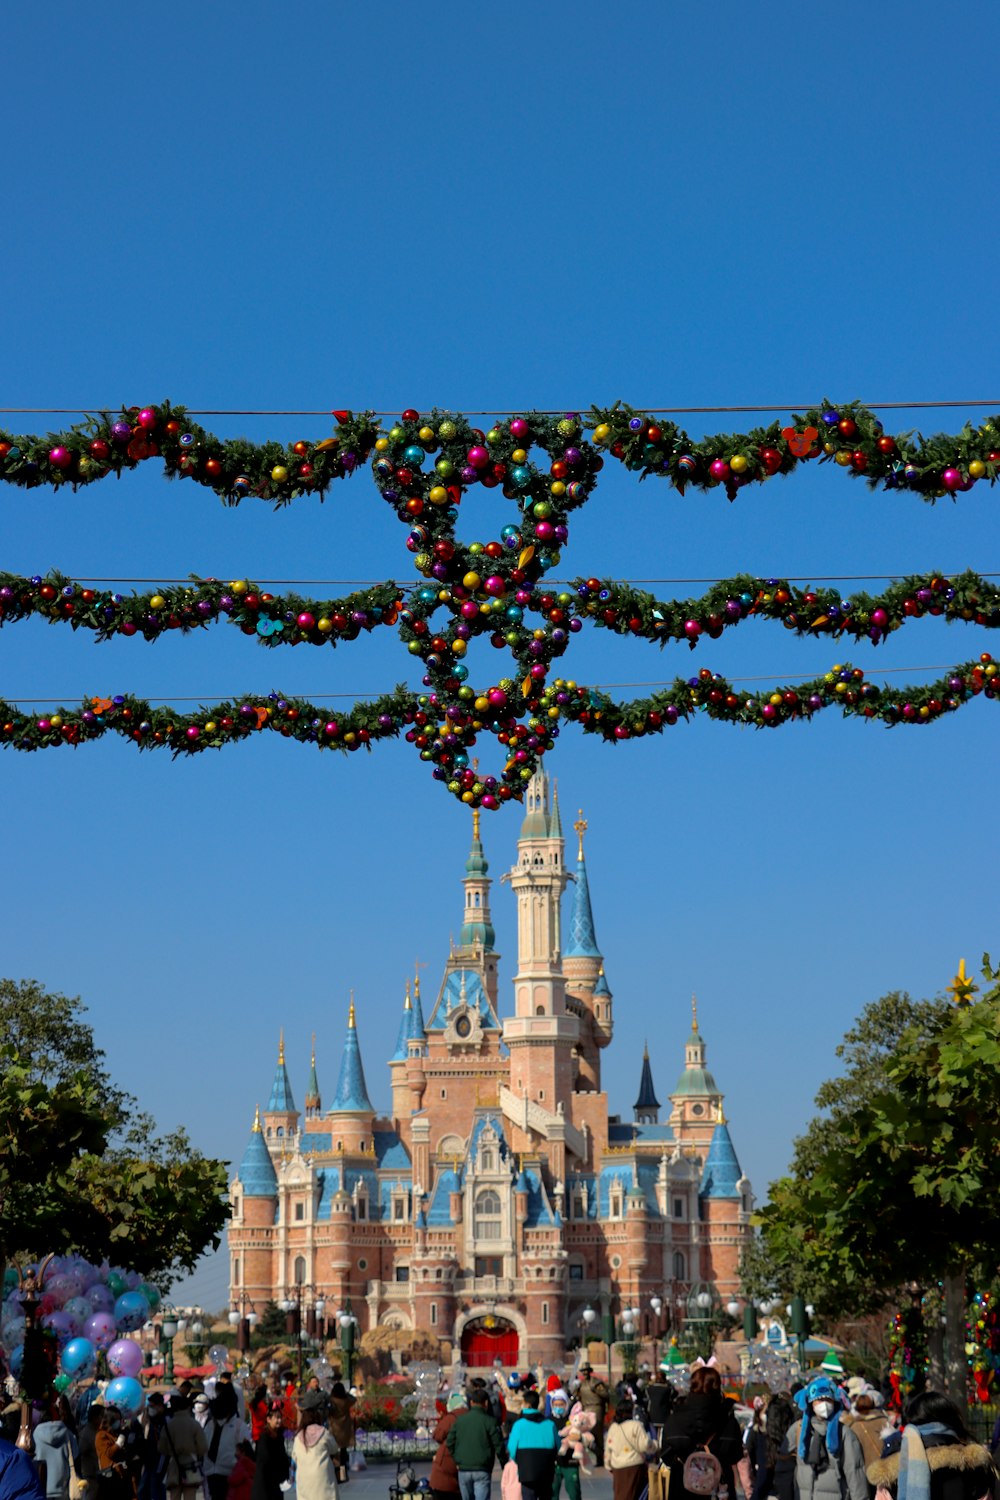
x: 702, y: 1441
x: 627, y: 1451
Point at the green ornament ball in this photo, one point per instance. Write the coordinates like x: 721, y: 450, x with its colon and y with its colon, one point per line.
x: 447, y: 430
x: 445, y: 468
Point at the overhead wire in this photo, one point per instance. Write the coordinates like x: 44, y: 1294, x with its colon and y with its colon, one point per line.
x: 222, y: 411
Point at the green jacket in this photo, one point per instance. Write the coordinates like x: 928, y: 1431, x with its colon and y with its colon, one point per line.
x: 476, y: 1440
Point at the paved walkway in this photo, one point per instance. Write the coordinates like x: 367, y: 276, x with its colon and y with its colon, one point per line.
x: 374, y: 1482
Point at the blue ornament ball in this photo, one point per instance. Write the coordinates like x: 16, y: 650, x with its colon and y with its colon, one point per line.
x: 686, y: 463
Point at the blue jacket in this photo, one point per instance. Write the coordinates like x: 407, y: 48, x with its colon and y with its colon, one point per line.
x: 18, y: 1477
x: 533, y: 1445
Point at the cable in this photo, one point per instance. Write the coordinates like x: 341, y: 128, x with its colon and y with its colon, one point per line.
x: 549, y: 583
x: 603, y: 686
x: 222, y: 411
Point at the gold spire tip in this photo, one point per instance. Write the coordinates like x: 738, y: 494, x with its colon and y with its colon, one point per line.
x: 256, y: 1120
x: 962, y: 987
x: 580, y: 828
x: 312, y: 1054
x: 475, y: 824
x: 351, y: 1018
x: 281, y: 1045
x: 406, y: 1002
x: 694, y: 1012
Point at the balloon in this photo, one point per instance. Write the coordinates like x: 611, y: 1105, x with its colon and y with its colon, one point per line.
x: 219, y: 1355
x: 116, y: 1282
x: 151, y: 1294
x: 131, y: 1311
x: 9, y: 1279
x: 63, y: 1287
x: 100, y: 1299
x: 78, y: 1357
x: 61, y: 1323
x: 125, y: 1357
x: 16, y: 1361
x: 100, y: 1328
x: 62, y: 1383
x: 79, y: 1309
x: 124, y: 1393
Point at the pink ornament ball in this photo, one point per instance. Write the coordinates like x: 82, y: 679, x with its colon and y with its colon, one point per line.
x: 494, y: 585
x: 497, y: 698
x: 470, y: 609
x: 951, y: 479
x: 692, y: 629
x: 331, y: 729
x: 519, y: 429
x: 193, y: 731
x: 769, y: 712
x: 60, y: 457
x: 478, y: 457
x: 719, y: 468
x: 880, y: 618
x: 306, y: 621
x: 147, y: 418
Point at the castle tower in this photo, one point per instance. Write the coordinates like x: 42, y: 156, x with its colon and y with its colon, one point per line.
x: 351, y: 1113
x: 647, y: 1106
x: 725, y: 1201
x: 314, y: 1103
x: 253, y: 1197
x: 583, y: 967
x: 696, y: 1099
x: 401, y: 1105
x: 542, y: 1034
x: 477, y: 934
x: 281, y: 1118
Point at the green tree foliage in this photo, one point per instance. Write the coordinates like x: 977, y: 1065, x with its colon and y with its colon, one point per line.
x: 270, y: 1327
x: 80, y: 1167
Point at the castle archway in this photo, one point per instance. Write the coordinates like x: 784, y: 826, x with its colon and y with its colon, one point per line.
x: 487, y: 1334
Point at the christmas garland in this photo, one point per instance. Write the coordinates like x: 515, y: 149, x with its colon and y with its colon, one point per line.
x: 850, y: 436
x: 283, y: 619
x: 444, y: 741
x: 234, y: 468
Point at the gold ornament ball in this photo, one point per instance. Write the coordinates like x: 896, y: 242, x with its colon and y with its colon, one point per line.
x: 739, y: 464
x: 602, y: 432
x: 157, y: 601
x: 471, y: 581
x: 557, y: 489
x: 458, y: 648
x: 381, y: 444
x: 426, y: 434
x: 977, y: 469
x: 447, y: 430
x: 843, y: 457
x: 239, y: 585
x: 279, y: 473
x: 56, y: 721
x: 324, y: 625
x: 829, y: 448
x: 518, y: 456
x: 210, y: 727
x: 438, y: 495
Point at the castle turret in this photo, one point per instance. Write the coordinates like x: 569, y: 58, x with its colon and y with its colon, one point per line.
x: 314, y: 1103
x: 696, y: 1099
x: 281, y: 1118
x: 647, y: 1106
x: 725, y: 1203
x: 253, y: 1197
x: 397, y: 1062
x: 351, y: 1113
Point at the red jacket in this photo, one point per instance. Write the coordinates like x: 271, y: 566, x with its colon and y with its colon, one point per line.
x: 241, y: 1478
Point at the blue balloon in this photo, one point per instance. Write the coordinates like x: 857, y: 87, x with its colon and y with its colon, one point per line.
x: 131, y: 1311
x: 78, y: 1357
x: 17, y: 1361
x: 124, y: 1393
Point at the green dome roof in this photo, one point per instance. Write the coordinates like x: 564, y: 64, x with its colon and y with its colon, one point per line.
x: 696, y: 1081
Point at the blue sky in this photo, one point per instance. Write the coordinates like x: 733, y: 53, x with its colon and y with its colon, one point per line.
x: 311, y: 206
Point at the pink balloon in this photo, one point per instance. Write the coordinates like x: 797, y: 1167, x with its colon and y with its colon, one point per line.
x: 125, y: 1357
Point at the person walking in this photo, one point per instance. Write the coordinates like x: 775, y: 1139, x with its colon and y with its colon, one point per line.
x: 827, y: 1467
x: 342, y: 1426
x: 273, y: 1467
x: 534, y: 1446
x: 182, y: 1443
x: 86, y: 1463
x: 660, y: 1399
x: 772, y: 1461
x: 444, y: 1471
x: 113, y: 1479
x: 592, y: 1395
x: 628, y: 1448
x: 315, y: 1451
x: 223, y: 1430
x: 18, y: 1476
x: 933, y: 1457
x: 863, y: 1424
x: 476, y: 1443
x: 54, y: 1444
x: 703, y: 1419
x: 567, y: 1470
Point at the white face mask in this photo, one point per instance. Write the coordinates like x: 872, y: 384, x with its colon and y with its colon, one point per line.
x: 823, y: 1408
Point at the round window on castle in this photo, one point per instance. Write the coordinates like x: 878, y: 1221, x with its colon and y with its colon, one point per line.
x: 616, y: 1261
x: 697, y: 1109
x: 362, y: 1265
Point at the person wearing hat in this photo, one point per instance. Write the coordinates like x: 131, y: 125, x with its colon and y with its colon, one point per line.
x: 444, y: 1470
x: 827, y: 1467
x: 315, y: 1450
x: 593, y: 1397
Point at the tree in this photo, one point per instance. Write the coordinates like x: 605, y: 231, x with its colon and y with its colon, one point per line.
x: 80, y: 1167
x: 907, y: 1188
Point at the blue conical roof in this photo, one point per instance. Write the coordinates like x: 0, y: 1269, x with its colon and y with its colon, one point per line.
x: 352, y: 1091
x: 418, y: 1031
x: 602, y: 987
x: 281, y: 1101
x: 582, y: 938
x: 256, y: 1172
x: 405, y: 1029
x: 722, y: 1168
x: 647, y: 1094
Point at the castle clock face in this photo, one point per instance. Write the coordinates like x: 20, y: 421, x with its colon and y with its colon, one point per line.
x: 463, y: 1026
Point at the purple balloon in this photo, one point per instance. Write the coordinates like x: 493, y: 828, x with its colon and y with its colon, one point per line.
x: 101, y: 1330
x: 100, y: 1298
x: 62, y: 1324
x: 125, y: 1357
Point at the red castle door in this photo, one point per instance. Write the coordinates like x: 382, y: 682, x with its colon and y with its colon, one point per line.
x: 487, y: 1339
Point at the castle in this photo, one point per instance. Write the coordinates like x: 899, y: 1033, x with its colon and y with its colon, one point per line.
x: 499, y: 1199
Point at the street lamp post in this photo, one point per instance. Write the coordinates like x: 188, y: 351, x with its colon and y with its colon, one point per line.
x: 243, y: 1322
x: 587, y: 1319
x: 701, y: 1320
x: 170, y: 1326
x: 348, y: 1324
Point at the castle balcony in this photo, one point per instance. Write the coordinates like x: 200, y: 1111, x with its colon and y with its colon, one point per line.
x: 484, y: 1287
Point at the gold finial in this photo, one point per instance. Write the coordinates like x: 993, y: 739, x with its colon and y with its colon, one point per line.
x: 720, y: 1114
x: 417, y: 966
x: 475, y: 824
x: 962, y: 988
x: 406, y: 1002
x: 580, y: 828
x: 694, y: 1012
x: 351, y: 1022
x: 256, y: 1120
x: 281, y: 1045
x: 312, y: 1055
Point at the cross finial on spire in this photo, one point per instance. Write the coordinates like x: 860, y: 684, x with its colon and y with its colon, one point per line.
x: 694, y: 1012
x: 256, y: 1120
x: 580, y: 828
x: 351, y: 1020
x: 312, y: 1058
x: 281, y: 1045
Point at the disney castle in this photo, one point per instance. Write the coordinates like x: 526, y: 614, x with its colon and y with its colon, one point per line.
x: 499, y: 1198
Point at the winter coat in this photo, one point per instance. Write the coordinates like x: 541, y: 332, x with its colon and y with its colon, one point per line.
x: 444, y: 1471
x: 593, y: 1396
x: 182, y: 1443
x: 241, y: 1478
x: 780, y: 1480
x: 315, y: 1453
x: 701, y: 1421
x: 53, y: 1447
x: 272, y: 1467
x: 222, y: 1437
x: 112, y: 1472
x: 658, y: 1403
x: 87, y: 1465
x: 18, y: 1477
x: 959, y: 1471
x: 837, y: 1478
x: 867, y: 1429
x: 533, y: 1445
x: 476, y: 1440
x: 628, y: 1444
x: 342, y: 1420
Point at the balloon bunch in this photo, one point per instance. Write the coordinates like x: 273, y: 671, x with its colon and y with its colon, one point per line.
x: 768, y: 1368
x: 87, y: 1311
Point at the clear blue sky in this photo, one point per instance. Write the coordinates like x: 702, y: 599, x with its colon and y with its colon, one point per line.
x: 318, y: 206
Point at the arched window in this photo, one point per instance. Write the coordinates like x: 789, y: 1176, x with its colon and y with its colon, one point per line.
x: 680, y: 1269
x: 300, y: 1270
x: 486, y: 1216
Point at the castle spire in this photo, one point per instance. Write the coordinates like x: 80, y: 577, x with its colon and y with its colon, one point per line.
x: 694, y: 1013
x: 313, y: 1101
x: 647, y: 1107
x: 582, y: 937
x: 417, y: 1023
x: 477, y: 927
x: 281, y: 1101
x: 256, y: 1171
x: 256, y: 1120
x: 352, y: 1091
x: 405, y: 1028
